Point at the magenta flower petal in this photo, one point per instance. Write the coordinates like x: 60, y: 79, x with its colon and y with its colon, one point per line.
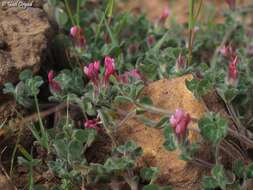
x: 173, y: 121
x: 97, y: 65
x: 109, y: 68
x: 231, y: 4
x: 232, y: 77
x: 55, y: 86
x: 77, y: 34
x: 180, y: 121
x: 74, y: 31
x: 151, y: 40
x: 133, y: 73
x: 91, y: 124
x: 92, y: 72
x: 50, y: 75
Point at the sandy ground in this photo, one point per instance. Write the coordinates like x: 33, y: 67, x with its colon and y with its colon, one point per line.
x: 178, y: 8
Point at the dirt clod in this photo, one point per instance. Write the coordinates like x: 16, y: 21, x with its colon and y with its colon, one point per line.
x: 169, y: 95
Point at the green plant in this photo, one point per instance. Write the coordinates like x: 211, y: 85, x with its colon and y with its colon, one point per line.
x: 111, y: 58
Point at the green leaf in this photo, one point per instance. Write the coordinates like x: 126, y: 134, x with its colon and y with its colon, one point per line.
x: 123, y: 99
x: 97, y: 169
x: 61, y: 148
x: 105, y: 118
x: 139, y: 111
x: 9, y: 88
x: 163, y: 121
x: 146, y: 121
x: 139, y: 88
x: 60, y: 16
x: 238, y: 168
x: 149, y: 173
x: 146, y: 101
x: 188, y: 151
x: 57, y: 167
x: 130, y: 148
x: 219, y: 175
x: 24, y: 152
x: 249, y: 171
x: 118, y: 164
x: 170, y: 140
x: 53, y: 2
x: 199, y: 87
x: 26, y: 74
x: 209, y: 183
x: 39, y: 187
x: 75, y: 150
x: 151, y: 187
x: 109, y: 8
x: 227, y: 93
x: 213, y: 127
x: 85, y: 136
x: 166, y: 188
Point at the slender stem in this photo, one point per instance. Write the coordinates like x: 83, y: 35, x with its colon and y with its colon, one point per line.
x: 69, y: 12
x: 240, y: 137
x: 217, y: 150
x: 133, y: 185
x: 198, y: 11
x: 98, y: 29
x: 109, y: 133
x: 191, y: 16
x: 201, y: 162
x: 234, y: 115
x: 14, y: 151
x: 126, y: 118
x: 42, y: 129
x: 190, y: 47
x: 191, y: 26
x: 153, y: 109
x: 78, y: 12
x: 67, y: 119
x: 38, y: 112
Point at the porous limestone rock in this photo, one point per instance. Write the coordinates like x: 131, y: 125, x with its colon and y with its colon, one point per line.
x: 169, y: 95
x: 24, y: 37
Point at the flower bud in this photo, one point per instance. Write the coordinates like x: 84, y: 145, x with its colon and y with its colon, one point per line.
x: 109, y: 68
x: 133, y: 73
x: 77, y: 34
x: 181, y: 63
x: 150, y: 40
x: 92, y: 72
x: 227, y: 51
x: 164, y: 15
x: 231, y: 4
x: 53, y: 84
x: 74, y: 31
x: 232, y: 76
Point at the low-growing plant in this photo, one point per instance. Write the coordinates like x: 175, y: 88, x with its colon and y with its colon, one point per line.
x: 109, y: 63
